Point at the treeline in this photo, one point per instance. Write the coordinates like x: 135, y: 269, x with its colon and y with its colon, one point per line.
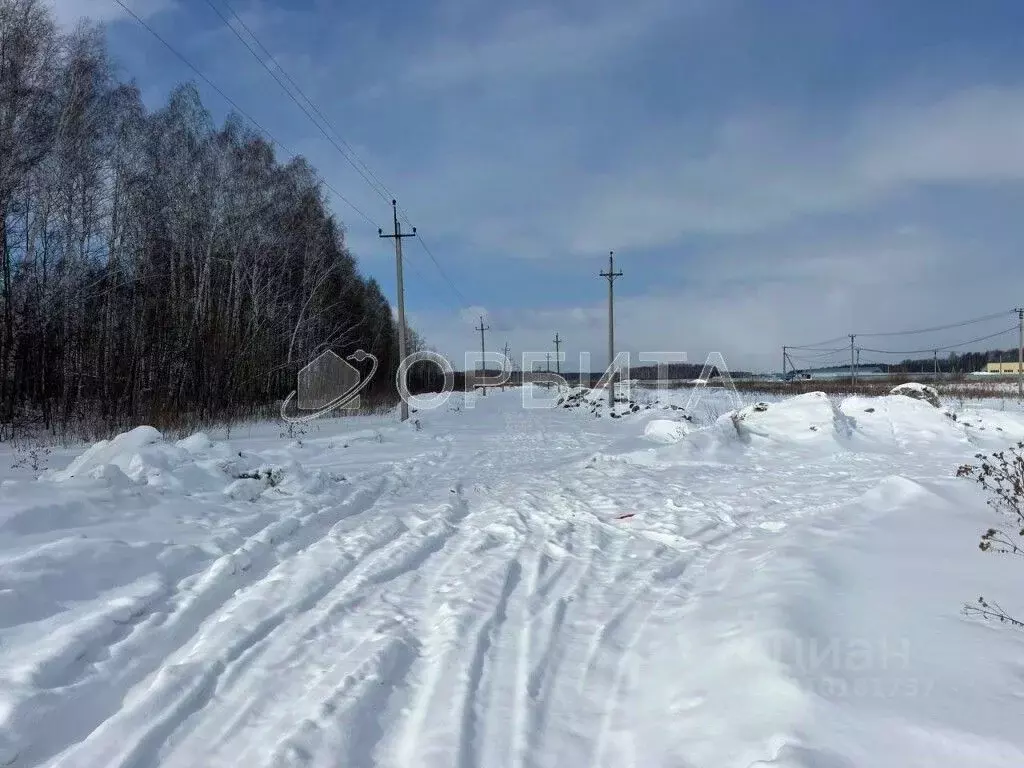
x: 958, y: 362
x: 953, y: 363
x: 155, y: 267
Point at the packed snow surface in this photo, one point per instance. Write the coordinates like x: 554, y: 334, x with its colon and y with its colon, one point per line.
x: 490, y: 585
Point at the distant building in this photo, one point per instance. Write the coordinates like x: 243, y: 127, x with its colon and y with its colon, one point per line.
x: 1013, y: 367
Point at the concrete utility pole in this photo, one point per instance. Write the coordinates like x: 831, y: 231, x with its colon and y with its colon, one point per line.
x: 611, y: 274
x: 935, y: 364
x: 853, y: 369
x: 784, y: 362
x: 1020, y: 353
x: 404, y: 416
x: 505, y: 352
x: 558, y: 364
x: 483, y: 364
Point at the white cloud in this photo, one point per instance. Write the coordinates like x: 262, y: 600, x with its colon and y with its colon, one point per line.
x: 540, y: 197
x: 538, y: 40
x: 799, y: 293
x: 969, y: 136
x: 772, y: 173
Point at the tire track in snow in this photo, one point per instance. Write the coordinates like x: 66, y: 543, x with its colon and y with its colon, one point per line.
x: 476, y: 685
x: 425, y: 735
x: 399, y: 555
x: 98, y: 687
x: 190, y: 617
x: 344, y: 726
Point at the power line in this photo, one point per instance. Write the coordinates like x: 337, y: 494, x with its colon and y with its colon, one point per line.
x: 824, y: 352
x: 444, y: 275
x: 814, y: 347
x: 939, y: 349
x: 961, y: 324
x: 817, y: 344
x: 238, y: 109
x: 349, y: 154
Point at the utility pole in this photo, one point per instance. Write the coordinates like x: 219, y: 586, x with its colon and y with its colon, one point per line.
x: 935, y: 364
x: 558, y: 364
x: 509, y: 362
x: 784, y: 362
x: 483, y: 364
x: 548, y: 368
x: 1020, y: 354
x: 401, y: 292
x: 611, y: 274
x: 853, y: 369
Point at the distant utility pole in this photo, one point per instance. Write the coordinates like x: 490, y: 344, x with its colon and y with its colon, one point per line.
x: 611, y: 274
x: 401, y: 293
x: 853, y: 368
x: 558, y: 365
x: 483, y: 364
x: 784, y: 362
x: 1020, y: 353
x: 935, y: 364
x: 548, y: 368
x: 505, y: 352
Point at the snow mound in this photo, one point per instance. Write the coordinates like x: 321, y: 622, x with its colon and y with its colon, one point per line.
x: 811, y: 417
x: 918, y: 392
x: 117, y: 451
x: 665, y: 431
x: 144, y: 457
x: 897, y: 423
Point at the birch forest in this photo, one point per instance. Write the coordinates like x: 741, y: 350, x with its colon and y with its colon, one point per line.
x: 156, y: 268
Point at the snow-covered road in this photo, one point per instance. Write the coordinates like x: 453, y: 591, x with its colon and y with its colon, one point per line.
x: 515, y: 587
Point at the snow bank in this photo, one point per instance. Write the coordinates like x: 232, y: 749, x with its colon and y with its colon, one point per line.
x: 665, y: 431
x: 144, y: 457
x: 577, y: 591
x: 196, y: 464
x: 918, y: 392
x: 809, y: 418
x: 118, y: 452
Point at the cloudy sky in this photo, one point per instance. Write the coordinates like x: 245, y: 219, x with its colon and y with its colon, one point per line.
x: 767, y: 173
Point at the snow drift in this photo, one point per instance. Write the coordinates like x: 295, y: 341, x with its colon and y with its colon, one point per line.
x: 515, y: 587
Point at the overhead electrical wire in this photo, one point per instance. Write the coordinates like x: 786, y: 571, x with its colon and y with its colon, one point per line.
x: 237, y: 108
x: 347, y: 152
x: 816, y: 345
x: 823, y: 353
x: 961, y: 324
x: 456, y: 291
x: 940, y: 349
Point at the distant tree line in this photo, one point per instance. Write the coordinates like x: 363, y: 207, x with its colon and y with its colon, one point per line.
x: 953, y: 363
x: 154, y: 264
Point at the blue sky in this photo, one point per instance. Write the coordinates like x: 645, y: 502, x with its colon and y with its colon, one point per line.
x: 767, y: 173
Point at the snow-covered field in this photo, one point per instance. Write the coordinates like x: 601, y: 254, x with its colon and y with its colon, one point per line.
x: 502, y: 586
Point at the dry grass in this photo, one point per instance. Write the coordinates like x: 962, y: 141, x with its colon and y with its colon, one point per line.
x: 89, y: 426
x: 960, y: 388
